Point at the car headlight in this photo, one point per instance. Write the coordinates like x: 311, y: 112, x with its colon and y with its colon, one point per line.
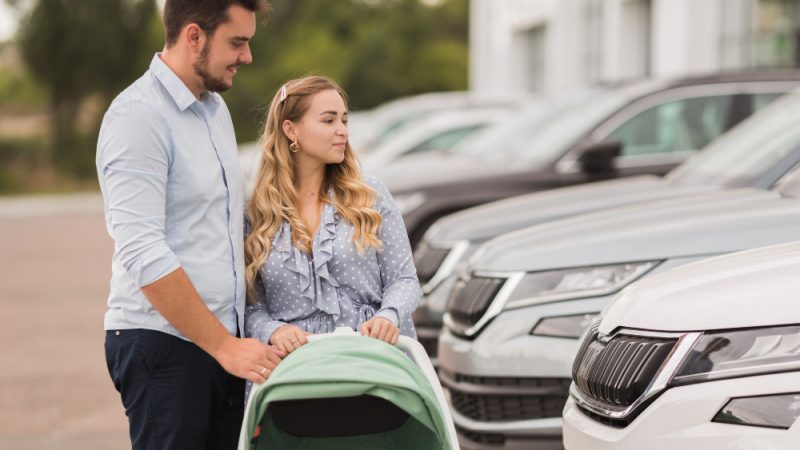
x: 728, y: 354
x: 571, y: 326
x: 554, y: 285
x: 409, y: 202
x: 770, y: 411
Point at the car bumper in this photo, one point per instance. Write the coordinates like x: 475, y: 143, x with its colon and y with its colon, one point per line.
x: 507, y: 386
x: 428, y: 317
x: 680, y: 418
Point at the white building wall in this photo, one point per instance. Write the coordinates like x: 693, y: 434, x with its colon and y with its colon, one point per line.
x: 686, y: 37
x: 550, y: 45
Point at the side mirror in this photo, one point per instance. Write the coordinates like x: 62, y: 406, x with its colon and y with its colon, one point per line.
x: 598, y: 159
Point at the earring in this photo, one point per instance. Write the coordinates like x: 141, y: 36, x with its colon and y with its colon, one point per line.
x: 294, y: 147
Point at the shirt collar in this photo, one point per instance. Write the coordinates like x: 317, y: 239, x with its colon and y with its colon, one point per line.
x: 181, y: 94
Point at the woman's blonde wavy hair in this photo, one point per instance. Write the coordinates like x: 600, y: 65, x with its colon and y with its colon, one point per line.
x: 274, y: 199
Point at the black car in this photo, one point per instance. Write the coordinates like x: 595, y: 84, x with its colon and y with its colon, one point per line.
x: 642, y: 128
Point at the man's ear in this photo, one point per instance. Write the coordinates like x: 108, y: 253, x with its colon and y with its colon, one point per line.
x: 289, y: 129
x: 195, y: 37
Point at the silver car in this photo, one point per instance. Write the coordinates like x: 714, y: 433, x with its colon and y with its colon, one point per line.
x: 754, y: 154
x: 513, y: 321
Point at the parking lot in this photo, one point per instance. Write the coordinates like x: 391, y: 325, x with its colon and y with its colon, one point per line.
x: 54, y: 269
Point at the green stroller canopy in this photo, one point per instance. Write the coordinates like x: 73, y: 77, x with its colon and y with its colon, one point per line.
x: 345, y: 392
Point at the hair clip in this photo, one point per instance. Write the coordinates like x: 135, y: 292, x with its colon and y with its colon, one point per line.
x: 282, y: 94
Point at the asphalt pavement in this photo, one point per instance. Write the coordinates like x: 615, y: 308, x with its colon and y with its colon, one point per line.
x: 54, y: 272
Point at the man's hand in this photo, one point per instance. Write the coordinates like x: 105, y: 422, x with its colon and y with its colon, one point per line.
x: 248, y: 358
x: 175, y: 297
x: 382, y: 329
x: 288, y: 338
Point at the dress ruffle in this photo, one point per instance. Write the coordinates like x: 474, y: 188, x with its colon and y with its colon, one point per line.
x: 322, y: 289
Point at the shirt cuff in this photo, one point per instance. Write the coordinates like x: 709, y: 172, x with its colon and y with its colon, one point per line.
x: 389, y: 314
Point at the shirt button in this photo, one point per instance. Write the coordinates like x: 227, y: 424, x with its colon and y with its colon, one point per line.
x: 117, y: 333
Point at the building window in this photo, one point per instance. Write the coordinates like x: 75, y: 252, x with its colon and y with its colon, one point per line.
x: 529, y: 54
x: 593, y: 17
x: 760, y: 33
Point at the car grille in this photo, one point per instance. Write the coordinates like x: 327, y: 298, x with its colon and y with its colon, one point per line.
x: 469, y: 300
x: 430, y: 344
x: 506, y: 398
x: 428, y: 260
x: 617, y: 372
x: 482, y: 438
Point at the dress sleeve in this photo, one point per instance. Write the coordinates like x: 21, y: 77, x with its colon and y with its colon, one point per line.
x: 401, y: 290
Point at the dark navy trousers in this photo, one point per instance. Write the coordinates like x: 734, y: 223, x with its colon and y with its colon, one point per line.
x: 176, y: 396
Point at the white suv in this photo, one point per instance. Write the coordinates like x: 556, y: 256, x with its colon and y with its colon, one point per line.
x: 704, y: 356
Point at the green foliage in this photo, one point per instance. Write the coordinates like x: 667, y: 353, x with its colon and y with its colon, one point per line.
x: 20, y: 91
x: 77, y: 48
x: 377, y: 50
x: 18, y: 159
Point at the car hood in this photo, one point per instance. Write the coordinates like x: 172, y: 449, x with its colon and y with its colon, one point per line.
x: 417, y: 172
x: 716, y: 293
x: 719, y: 222
x: 493, y: 219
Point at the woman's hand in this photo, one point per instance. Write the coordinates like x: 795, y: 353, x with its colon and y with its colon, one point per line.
x: 288, y: 338
x: 382, y: 329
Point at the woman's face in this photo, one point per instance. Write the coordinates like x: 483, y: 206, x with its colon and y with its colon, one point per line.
x: 322, y: 131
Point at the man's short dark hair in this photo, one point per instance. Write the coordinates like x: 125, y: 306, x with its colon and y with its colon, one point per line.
x: 207, y: 14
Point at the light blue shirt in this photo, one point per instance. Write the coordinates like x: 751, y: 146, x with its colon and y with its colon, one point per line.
x: 174, y: 197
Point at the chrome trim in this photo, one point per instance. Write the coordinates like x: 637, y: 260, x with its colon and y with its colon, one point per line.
x: 448, y: 266
x: 496, y: 305
x: 659, y: 383
x: 450, y: 382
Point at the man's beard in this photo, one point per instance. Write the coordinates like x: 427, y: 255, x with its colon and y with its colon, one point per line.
x: 210, y: 83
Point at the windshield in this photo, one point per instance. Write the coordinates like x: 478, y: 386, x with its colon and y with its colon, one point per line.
x: 548, y: 129
x: 741, y: 156
x: 486, y: 140
x: 789, y: 185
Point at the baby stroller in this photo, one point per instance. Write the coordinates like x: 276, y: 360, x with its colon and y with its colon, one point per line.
x: 345, y: 391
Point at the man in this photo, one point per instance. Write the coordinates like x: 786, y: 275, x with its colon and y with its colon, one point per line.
x: 174, y: 200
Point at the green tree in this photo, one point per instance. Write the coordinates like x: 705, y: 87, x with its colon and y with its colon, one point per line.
x: 377, y: 49
x: 84, y: 48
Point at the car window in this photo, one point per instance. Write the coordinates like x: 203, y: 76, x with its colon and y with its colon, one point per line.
x: 762, y: 100
x: 675, y: 126
x: 550, y: 129
x: 487, y: 140
x: 748, y: 151
x: 445, y: 140
x: 396, y: 127
x: 546, y: 129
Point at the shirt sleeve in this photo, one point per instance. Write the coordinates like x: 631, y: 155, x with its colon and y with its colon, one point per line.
x: 133, y: 162
x: 258, y: 323
x: 401, y: 290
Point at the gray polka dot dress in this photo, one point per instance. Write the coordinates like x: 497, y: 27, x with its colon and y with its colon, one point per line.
x: 337, y: 286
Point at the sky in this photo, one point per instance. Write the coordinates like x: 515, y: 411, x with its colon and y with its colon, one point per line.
x: 8, y: 23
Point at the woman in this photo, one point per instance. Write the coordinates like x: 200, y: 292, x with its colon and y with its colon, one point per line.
x: 325, y: 248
